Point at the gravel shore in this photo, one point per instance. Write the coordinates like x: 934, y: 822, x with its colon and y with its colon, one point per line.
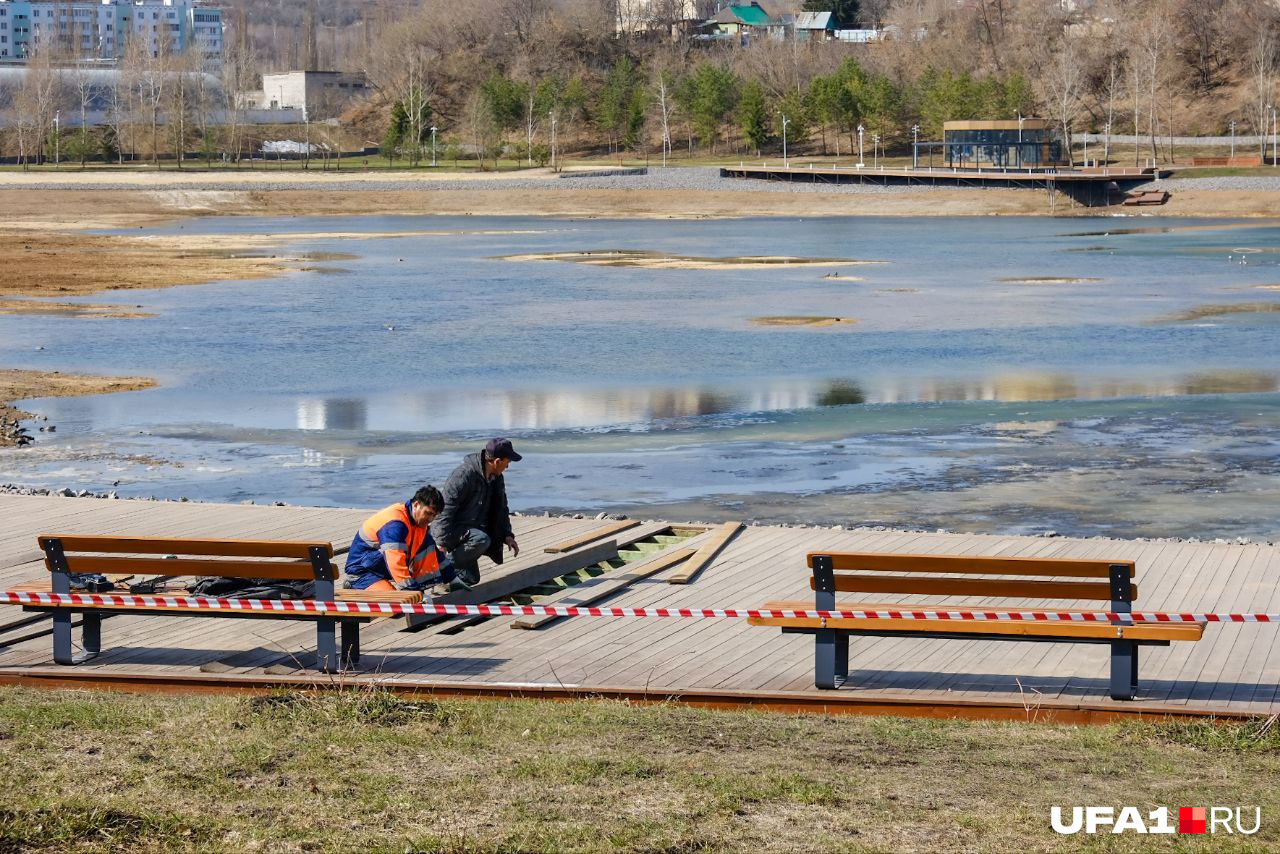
x: 1224, y: 184
x: 689, y: 178
x: 684, y: 178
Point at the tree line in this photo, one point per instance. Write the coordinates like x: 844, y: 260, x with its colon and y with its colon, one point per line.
x: 501, y: 74
x: 541, y: 78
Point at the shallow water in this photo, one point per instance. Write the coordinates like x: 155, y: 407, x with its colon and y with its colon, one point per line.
x: 651, y: 391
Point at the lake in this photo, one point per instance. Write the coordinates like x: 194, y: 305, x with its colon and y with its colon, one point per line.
x: 1110, y: 376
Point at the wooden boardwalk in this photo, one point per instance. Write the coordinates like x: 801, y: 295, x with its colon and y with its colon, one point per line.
x: 1235, y: 669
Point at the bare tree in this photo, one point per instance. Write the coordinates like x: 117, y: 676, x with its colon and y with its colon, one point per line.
x: 1145, y: 57
x: 238, y: 76
x: 1061, y: 77
x: 1262, y: 80
x: 38, y: 102
x: 663, y: 103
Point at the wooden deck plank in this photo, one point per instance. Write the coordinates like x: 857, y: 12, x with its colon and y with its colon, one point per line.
x: 720, y: 536
x: 1266, y: 653
x: 705, y: 644
x: 591, y: 536
x: 1241, y: 639
x: 602, y: 587
x: 1205, y: 588
x: 1241, y: 672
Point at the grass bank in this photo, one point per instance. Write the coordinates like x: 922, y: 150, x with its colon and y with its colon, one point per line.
x: 90, y: 771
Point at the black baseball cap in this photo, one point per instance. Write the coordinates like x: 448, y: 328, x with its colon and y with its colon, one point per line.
x: 500, y: 449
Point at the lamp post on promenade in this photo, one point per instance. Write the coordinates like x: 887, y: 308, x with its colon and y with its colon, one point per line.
x: 57, y: 137
x: 1273, y: 134
x: 1021, y: 119
x: 785, y: 121
x: 433, y: 145
x: 552, y: 116
x: 860, y: 162
x: 915, y: 146
x: 1232, y: 126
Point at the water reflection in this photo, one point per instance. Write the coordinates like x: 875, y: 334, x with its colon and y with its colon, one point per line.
x: 672, y: 408
x: 340, y: 413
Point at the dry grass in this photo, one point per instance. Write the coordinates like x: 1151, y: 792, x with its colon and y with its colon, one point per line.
x: 364, y: 769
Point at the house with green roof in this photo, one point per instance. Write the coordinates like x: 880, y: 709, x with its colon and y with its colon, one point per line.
x: 738, y: 21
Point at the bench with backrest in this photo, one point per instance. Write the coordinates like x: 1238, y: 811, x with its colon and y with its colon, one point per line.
x: 201, y: 558
x: 1013, y: 581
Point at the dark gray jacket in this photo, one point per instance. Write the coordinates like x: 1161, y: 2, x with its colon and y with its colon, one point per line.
x: 471, y: 500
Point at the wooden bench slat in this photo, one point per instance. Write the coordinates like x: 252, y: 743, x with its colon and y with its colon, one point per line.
x: 1145, y: 631
x: 284, y: 570
x: 404, y: 597
x: 194, y: 546
x: 1065, y: 568
x: 1138, y: 631
x: 905, y: 584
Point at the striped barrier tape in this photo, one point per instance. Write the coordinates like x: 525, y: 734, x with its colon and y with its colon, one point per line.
x: 395, y: 609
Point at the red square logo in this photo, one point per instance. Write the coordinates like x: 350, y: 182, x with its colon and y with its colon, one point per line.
x: 1191, y: 820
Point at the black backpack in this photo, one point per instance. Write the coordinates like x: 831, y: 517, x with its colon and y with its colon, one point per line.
x: 252, y: 588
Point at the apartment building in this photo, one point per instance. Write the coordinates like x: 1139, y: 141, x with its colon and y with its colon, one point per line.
x: 98, y: 31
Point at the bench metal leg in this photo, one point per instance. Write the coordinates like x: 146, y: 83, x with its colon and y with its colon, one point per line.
x: 91, y: 634
x: 1124, y: 670
x: 350, y: 643
x: 62, y: 637
x: 326, y: 646
x: 831, y: 658
x: 1133, y: 676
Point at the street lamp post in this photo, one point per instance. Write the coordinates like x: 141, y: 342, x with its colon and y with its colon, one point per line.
x: 1273, y: 134
x: 552, y: 116
x: 1021, y: 119
x: 1086, y: 150
x: 875, y: 151
x: 860, y: 162
x: 785, y: 121
x: 1232, y: 126
x: 57, y: 138
x: 433, y: 145
x: 915, y: 146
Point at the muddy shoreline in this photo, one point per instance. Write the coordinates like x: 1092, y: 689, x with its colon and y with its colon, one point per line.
x: 22, y: 385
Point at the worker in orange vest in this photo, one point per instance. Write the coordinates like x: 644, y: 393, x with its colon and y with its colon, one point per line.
x: 393, y: 550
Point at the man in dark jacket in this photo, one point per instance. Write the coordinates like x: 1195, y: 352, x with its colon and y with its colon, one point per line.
x: 475, y: 520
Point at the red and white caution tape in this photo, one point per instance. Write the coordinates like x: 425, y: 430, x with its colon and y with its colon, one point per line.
x: 394, y: 609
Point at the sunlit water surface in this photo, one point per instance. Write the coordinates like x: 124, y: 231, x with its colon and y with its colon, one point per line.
x: 1113, y: 376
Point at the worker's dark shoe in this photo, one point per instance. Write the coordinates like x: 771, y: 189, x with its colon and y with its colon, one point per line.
x: 467, y: 573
